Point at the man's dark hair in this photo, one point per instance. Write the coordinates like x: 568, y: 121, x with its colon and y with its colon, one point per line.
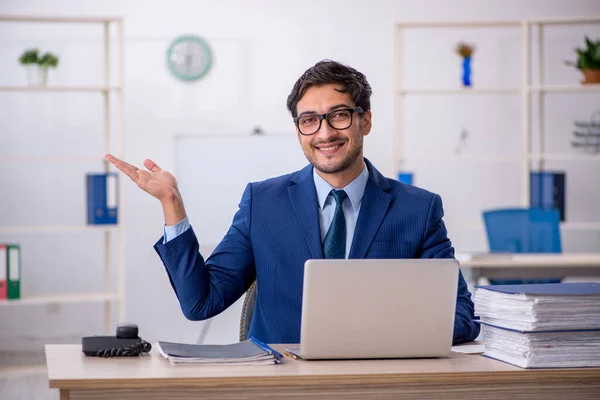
x: 327, y: 72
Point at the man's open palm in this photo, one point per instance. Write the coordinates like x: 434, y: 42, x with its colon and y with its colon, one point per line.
x: 156, y: 181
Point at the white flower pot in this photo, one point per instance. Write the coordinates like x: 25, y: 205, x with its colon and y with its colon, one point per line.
x: 36, y: 75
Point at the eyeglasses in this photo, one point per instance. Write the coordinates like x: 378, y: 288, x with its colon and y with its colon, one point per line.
x: 337, y: 119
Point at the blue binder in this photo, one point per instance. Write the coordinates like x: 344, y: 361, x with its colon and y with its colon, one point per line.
x: 547, y: 191
x: 406, y: 177
x: 555, y: 289
x: 102, y: 198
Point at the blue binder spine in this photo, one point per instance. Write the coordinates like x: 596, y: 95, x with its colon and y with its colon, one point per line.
x: 406, y: 177
x: 102, y: 198
x: 547, y: 191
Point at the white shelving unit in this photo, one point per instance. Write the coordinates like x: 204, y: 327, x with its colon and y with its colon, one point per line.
x: 110, y: 294
x: 102, y: 89
x: 459, y: 91
x: 541, y: 88
x: 526, y: 90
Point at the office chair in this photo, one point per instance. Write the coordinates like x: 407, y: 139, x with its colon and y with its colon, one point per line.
x: 527, y: 230
x: 523, y: 230
x: 247, y: 311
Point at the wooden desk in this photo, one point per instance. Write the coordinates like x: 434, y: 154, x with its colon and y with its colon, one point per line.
x: 531, y: 265
x: 459, y: 376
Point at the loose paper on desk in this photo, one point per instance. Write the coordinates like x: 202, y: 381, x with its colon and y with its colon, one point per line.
x: 468, y: 348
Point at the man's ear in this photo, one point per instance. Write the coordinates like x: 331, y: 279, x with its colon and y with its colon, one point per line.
x: 366, y: 122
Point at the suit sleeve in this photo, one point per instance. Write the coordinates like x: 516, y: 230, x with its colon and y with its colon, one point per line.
x: 206, y: 288
x: 435, y: 244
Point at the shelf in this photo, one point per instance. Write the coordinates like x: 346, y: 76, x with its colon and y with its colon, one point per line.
x: 62, y: 299
x: 580, y: 226
x: 567, y: 226
x: 588, y: 87
x: 91, y: 89
x: 496, y: 24
x: 432, y: 158
x: 565, y: 157
x: 57, y: 228
x: 473, y: 90
x: 566, y: 21
x: 55, y: 159
x: 41, y: 18
x: 459, y: 24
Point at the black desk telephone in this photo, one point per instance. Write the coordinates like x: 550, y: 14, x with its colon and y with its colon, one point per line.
x: 126, y: 343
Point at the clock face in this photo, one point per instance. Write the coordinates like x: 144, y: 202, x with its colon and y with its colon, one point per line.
x: 189, y: 57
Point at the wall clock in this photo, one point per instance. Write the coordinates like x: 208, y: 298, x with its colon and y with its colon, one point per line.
x: 189, y: 57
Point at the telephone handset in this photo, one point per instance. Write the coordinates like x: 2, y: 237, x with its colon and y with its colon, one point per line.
x: 125, y: 343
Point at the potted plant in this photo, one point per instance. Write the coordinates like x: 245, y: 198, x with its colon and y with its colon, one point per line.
x: 588, y: 61
x: 465, y: 50
x: 37, y: 66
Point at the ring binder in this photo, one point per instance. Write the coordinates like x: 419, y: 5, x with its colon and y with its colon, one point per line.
x: 102, y: 198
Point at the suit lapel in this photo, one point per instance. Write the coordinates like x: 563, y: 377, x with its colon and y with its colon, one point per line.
x: 374, y: 206
x: 303, y: 197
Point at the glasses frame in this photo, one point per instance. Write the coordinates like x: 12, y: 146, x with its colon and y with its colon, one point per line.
x: 326, y: 117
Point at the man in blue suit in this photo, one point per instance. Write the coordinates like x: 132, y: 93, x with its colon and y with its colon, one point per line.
x: 339, y: 206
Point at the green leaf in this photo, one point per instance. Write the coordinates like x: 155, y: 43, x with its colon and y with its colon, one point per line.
x: 585, y: 61
x: 590, y: 45
x: 29, y: 57
x: 596, y: 52
x: 48, y: 60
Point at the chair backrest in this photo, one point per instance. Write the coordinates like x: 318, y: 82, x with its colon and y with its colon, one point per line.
x: 523, y: 230
x: 247, y: 311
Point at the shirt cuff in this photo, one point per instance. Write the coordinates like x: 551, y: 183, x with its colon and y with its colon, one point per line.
x: 171, y: 232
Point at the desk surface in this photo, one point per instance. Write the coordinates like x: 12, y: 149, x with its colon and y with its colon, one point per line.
x: 68, y: 368
x: 531, y: 260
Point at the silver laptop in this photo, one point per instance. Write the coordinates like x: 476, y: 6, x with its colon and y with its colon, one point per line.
x: 396, y: 308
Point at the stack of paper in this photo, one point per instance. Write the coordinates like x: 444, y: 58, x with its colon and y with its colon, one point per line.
x: 249, y: 352
x: 541, y: 326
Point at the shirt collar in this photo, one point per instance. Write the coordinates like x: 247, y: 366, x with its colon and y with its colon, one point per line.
x: 355, y: 189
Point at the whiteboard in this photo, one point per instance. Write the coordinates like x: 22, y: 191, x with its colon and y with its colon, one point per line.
x: 213, y: 171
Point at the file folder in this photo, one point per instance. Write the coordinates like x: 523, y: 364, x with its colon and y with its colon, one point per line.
x: 13, y: 261
x: 249, y: 352
x: 551, y: 289
x: 3, y: 272
x: 543, y: 307
x: 102, y: 198
x: 406, y: 177
x: 547, y: 191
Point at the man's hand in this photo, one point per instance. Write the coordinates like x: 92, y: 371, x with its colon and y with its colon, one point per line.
x: 158, y: 183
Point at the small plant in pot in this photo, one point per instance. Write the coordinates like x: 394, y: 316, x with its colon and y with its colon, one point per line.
x: 588, y: 61
x: 37, y: 66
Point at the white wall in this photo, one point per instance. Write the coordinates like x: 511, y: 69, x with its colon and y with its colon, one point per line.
x: 261, y: 47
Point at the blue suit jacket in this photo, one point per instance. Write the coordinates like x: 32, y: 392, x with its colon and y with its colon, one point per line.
x: 276, y: 229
